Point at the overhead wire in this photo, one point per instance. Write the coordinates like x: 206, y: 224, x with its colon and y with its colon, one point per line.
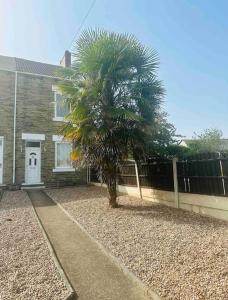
x: 82, y: 23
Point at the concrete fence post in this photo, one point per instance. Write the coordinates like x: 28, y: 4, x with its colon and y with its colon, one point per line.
x: 175, y: 182
x: 89, y: 175
x: 222, y: 174
x: 137, y: 179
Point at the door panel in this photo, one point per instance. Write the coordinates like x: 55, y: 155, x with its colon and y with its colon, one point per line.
x: 32, y: 165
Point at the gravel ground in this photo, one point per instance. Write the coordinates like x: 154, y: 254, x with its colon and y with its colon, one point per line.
x: 26, y: 268
x: 179, y: 254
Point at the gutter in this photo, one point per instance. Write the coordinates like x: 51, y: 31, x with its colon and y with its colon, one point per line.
x: 33, y: 74
x: 14, y: 128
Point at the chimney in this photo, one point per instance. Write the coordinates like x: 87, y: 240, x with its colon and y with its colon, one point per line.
x: 66, y: 60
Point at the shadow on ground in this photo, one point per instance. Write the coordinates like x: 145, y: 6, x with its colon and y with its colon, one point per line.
x: 170, y: 214
x: 143, y: 208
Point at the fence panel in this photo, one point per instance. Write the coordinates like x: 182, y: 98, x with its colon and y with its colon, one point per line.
x: 126, y: 175
x: 157, y: 174
x: 225, y: 167
x: 94, y: 176
x: 206, y: 185
x: 182, y: 175
x: 226, y: 186
x: 205, y: 174
x: 224, y: 163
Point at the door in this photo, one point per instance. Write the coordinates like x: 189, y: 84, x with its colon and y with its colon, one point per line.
x: 1, y: 160
x: 32, y: 164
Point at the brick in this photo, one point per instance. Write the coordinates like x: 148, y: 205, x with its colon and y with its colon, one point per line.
x: 35, y: 112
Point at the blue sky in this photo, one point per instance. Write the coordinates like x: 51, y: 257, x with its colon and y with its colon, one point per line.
x: 189, y: 35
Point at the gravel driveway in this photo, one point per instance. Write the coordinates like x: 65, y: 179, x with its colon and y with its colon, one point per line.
x: 26, y: 268
x: 179, y: 254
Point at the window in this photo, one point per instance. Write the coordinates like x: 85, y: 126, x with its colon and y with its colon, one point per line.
x: 61, y: 107
x: 62, y: 157
x: 32, y: 144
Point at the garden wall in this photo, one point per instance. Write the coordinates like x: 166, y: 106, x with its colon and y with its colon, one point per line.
x: 213, y: 206
x: 198, y: 183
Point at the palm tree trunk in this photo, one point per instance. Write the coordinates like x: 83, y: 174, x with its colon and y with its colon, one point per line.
x: 111, y: 185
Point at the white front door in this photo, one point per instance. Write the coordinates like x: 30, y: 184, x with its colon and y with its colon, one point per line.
x: 1, y: 160
x: 32, y: 165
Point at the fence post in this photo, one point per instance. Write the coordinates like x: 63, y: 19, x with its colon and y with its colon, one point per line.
x: 87, y: 174
x: 175, y: 182
x: 137, y: 179
x: 222, y: 174
x: 89, y: 177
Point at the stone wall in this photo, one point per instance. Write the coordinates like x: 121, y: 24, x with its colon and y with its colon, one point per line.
x: 35, y: 112
x: 7, y: 87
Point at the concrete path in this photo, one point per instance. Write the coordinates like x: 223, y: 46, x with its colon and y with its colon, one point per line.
x: 92, y: 274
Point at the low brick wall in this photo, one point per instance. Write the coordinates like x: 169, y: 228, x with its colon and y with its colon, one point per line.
x: 212, y: 206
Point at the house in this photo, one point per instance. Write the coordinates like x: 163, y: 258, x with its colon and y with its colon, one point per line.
x: 222, y: 147
x: 31, y: 114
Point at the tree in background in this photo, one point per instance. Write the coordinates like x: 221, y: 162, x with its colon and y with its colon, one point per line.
x: 115, y: 97
x: 210, y: 140
x: 163, y: 137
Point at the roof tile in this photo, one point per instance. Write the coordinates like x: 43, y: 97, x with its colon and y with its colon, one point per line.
x: 27, y: 66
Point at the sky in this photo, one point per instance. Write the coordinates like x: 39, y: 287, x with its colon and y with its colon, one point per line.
x: 190, y: 37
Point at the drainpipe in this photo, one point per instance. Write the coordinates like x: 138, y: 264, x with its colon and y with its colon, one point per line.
x: 14, y: 127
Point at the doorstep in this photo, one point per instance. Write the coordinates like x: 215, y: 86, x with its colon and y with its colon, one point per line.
x: 26, y: 186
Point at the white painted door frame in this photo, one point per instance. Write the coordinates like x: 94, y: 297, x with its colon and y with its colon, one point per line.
x: 1, y: 158
x: 33, y: 165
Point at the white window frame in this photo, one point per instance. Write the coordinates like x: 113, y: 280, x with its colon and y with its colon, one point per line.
x: 56, y: 91
x: 59, y: 140
x: 2, y: 138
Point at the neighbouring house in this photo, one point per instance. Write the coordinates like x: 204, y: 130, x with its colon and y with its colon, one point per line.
x: 32, y: 111
x: 222, y: 147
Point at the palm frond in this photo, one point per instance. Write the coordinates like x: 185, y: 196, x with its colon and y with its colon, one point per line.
x: 116, y: 97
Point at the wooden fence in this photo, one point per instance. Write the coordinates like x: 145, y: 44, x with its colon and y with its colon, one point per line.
x: 205, y: 174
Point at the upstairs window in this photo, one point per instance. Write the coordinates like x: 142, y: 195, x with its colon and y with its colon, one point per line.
x: 61, y: 107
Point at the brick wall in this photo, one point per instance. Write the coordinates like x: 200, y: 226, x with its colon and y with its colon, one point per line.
x: 35, y: 112
x: 7, y: 86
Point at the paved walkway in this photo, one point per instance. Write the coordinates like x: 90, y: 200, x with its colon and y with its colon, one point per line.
x: 92, y: 274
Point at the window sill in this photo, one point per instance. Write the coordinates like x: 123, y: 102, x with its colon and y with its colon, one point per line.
x: 59, y: 170
x: 37, y: 183
x: 59, y: 119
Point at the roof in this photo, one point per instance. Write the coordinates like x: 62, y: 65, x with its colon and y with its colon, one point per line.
x: 27, y: 66
x: 7, y: 63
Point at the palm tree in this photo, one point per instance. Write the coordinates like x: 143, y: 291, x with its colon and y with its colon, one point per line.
x: 115, y: 98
